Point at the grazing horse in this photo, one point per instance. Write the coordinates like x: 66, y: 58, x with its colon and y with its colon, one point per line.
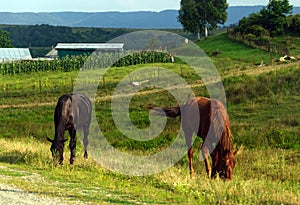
x: 72, y: 112
x: 212, y: 126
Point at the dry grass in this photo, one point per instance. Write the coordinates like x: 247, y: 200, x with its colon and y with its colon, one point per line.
x: 261, y: 177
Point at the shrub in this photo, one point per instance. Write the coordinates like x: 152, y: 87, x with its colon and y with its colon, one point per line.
x: 258, y: 31
x: 294, y: 24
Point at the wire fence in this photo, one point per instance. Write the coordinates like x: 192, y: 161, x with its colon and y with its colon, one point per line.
x: 261, y: 43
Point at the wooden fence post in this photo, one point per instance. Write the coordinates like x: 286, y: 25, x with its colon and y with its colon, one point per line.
x: 40, y: 86
x: 72, y: 83
x: 181, y: 71
x: 103, y: 81
x: 130, y: 79
x: 6, y: 89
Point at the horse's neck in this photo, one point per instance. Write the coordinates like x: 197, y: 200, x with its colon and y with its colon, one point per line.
x: 220, y: 149
x: 59, y: 131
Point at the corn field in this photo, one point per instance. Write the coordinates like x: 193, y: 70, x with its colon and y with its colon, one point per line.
x: 73, y: 63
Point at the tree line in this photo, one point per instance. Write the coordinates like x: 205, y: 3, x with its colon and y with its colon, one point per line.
x: 23, y: 36
x: 40, y: 38
x: 262, y: 29
x: 198, y: 16
x: 273, y: 20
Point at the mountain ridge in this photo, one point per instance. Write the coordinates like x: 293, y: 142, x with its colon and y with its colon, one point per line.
x: 116, y: 19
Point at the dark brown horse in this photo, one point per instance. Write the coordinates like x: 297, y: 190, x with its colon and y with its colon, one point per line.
x: 209, y: 120
x: 72, y: 112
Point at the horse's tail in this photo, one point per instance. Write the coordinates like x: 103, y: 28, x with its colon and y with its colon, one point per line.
x: 221, y: 125
x: 173, y: 111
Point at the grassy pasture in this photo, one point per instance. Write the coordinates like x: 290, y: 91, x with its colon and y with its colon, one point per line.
x: 264, y: 112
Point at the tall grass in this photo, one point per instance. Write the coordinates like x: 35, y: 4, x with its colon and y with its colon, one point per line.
x: 261, y: 177
x: 234, y: 53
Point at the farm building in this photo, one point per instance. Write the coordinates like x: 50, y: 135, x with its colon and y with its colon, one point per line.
x: 52, y: 54
x: 71, y: 49
x: 14, y: 54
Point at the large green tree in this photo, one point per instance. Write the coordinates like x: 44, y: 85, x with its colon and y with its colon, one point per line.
x: 4, y: 39
x: 202, y: 15
x: 274, y: 16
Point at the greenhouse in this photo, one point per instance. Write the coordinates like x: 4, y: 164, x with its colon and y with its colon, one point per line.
x: 14, y: 54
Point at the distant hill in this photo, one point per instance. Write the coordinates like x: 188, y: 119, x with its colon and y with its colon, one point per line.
x: 235, y: 13
x: 142, y: 19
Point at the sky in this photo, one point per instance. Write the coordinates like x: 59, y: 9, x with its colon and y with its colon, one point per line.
x: 108, y: 5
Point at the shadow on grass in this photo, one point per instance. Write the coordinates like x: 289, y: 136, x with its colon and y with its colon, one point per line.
x: 17, y: 157
x: 13, y: 157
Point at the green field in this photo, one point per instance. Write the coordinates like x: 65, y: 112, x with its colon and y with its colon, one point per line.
x: 263, y: 106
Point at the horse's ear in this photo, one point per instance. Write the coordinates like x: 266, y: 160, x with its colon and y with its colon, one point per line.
x: 50, y: 140
x: 236, y: 151
x: 63, y: 141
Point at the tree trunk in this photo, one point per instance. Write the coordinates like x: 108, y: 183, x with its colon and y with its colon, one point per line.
x: 206, y: 31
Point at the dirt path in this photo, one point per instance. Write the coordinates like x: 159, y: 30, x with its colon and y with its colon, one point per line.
x: 12, y: 195
x: 28, y: 105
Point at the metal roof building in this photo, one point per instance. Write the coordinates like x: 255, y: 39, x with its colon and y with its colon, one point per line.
x: 64, y: 49
x: 52, y: 54
x: 14, y: 54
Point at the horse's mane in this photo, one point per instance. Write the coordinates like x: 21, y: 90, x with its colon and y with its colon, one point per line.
x: 59, y: 109
x: 220, y: 121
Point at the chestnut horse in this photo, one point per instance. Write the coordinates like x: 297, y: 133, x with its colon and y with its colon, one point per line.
x: 212, y: 126
x: 72, y: 112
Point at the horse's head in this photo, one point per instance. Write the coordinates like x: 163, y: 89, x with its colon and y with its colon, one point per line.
x: 57, y: 149
x: 225, y: 165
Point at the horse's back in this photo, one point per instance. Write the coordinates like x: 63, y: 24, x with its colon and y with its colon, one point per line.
x: 81, y: 110
x: 196, y: 115
x: 200, y: 112
x: 73, y: 110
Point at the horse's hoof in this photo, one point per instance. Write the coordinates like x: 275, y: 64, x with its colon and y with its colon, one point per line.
x: 85, y: 155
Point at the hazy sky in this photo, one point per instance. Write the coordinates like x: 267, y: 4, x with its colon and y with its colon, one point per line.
x: 107, y: 5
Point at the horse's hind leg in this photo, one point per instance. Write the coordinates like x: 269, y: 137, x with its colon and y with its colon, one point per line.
x: 188, y: 141
x: 72, y: 144
x: 85, y: 141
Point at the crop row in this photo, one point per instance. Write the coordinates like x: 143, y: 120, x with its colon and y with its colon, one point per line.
x: 73, y: 63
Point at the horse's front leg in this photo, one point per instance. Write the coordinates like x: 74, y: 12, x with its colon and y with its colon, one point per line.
x: 72, y: 144
x: 206, y: 154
